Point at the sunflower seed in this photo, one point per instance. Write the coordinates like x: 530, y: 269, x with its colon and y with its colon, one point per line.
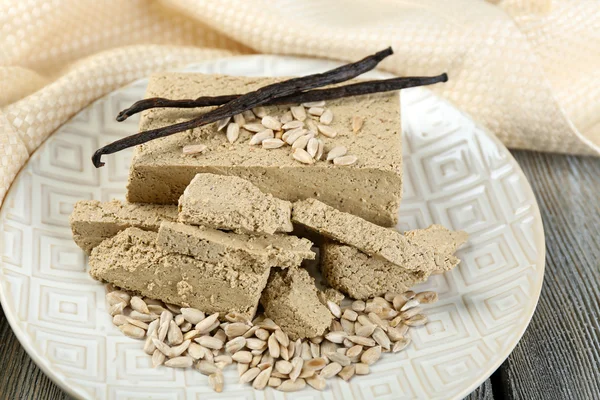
x: 186, y: 327
x: 315, y: 350
x: 316, y: 339
x: 271, y: 123
x: 255, y: 359
x: 116, y: 309
x: 336, y: 152
x: 291, y: 349
x: 327, y: 117
x: 254, y: 128
x: 179, y: 362
x: 262, y: 334
x: 298, y: 112
x: 112, y: 299
x: 195, y: 351
x: 284, y: 353
x: 286, y: 117
x: 216, y: 381
x: 331, y: 370
x: 354, y: 351
x: 412, y: 303
x: 120, y: 319
x: 311, y: 126
x: 268, y: 324
x: 345, y: 160
x: 179, y: 320
x: 132, y: 331
x: 309, y: 104
x: 260, y: 111
x: 358, y: 305
x: 350, y: 315
x: 378, y: 321
x: 244, y: 357
x: 209, y: 342
x: 298, y: 347
x: 236, y: 329
x: 192, y: 334
x: 297, y: 364
x: 139, y: 305
x: 239, y: 119
x: 292, y: 135
x: 361, y: 369
x: 302, y: 141
x: 224, y: 359
x: 204, y: 325
x: 365, y: 330
x: 149, y: 346
x: 234, y: 316
x: 250, y: 332
x: 302, y: 156
x: 256, y: 344
x: 347, y: 372
x: 394, y: 334
x: 320, y: 150
x: 426, y: 297
x: 336, y: 337
x: 371, y: 355
x: 387, y: 313
x: 261, y: 380
x: 357, y: 123
x: 284, y: 367
x: 411, y: 312
x: 281, y: 337
x: 327, y: 130
x: 206, y: 367
x: 312, y: 146
x: 233, y: 132
x: 174, y: 336
x: 305, y: 353
x: 222, y: 123
x: 242, y: 368
x: 157, y: 358
x: 192, y: 149
x: 316, y: 111
x: 260, y: 136
x: 334, y: 308
x: 293, y: 125
x: 249, y: 375
x: 381, y: 338
x: 339, y: 358
x: 327, y: 348
x: 417, y: 320
x: 396, y: 321
x: 400, y: 345
x: 272, y: 143
x: 274, y: 382
x: 248, y: 116
x: 348, y: 326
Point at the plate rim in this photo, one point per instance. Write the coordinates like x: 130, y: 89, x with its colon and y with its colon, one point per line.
x: 540, y: 241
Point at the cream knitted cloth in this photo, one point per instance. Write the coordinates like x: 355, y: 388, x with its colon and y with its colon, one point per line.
x: 527, y: 70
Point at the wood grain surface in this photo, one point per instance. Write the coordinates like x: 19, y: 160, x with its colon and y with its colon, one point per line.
x: 559, y: 355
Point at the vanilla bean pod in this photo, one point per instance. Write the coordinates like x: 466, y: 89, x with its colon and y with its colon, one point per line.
x: 248, y: 101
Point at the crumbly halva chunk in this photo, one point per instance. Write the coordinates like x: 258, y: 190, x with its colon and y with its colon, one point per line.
x: 290, y: 299
x: 370, y: 188
x: 257, y: 252
x: 361, y: 276
x: 132, y: 261
x: 93, y: 221
x: 386, y: 244
x: 232, y: 203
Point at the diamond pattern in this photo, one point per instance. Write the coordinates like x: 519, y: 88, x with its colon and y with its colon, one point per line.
x: 455, y: 174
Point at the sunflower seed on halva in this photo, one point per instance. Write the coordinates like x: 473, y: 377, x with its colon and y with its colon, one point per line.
x: 260, y: 111
x: 272, y: 143
x: 222, y: 123
x: 271, y: 123
x: 293, y: 124
x: 192, y: 149
x: 357, y: 123
x: 286, y: 117
x: 345, y: 160
x: 302, y: 156
x: 260, y: 136
x: 292, y: 135
x: 312, y: 146
x: 302, y: 141
x: 233, y: 132
x: 327, y: 117
x: 316, y: 111
x: 298, y: 112
x: 337, y: 151
x: 320, y: 150
x: 254, y: 127
x: 327, y: 130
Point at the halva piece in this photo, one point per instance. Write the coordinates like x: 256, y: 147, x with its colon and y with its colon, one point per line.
x: 93, y: 221
x: 132, y: 261
x: 370, y: 188
x: 232, y: 203
x: 290, y: 299
x: 386, y: 244
x: 257, y: 252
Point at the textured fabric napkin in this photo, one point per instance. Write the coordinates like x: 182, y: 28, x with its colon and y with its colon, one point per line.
x: 527, y: 70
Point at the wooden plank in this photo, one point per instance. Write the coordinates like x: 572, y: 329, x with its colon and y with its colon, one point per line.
x: 483, y: 392
x: 559, y: 355
x: 20, y: 378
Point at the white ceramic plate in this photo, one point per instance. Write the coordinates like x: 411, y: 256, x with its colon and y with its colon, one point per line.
x: 456, y: 174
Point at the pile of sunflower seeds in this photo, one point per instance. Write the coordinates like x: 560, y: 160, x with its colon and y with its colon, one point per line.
x: 265, y: 356
x: 299, y: 128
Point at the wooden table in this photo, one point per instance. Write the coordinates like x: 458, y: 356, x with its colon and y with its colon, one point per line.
x: 559, y: 355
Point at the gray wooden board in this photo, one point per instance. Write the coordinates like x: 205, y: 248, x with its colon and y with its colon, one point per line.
x: 559, y: 355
